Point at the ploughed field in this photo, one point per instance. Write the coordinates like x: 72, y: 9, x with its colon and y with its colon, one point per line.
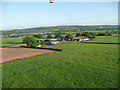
x: 17, y: 52
x: 79, y: 65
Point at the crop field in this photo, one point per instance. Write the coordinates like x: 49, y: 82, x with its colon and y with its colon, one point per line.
x: 10, y: 41
x: 17, y: 52
x: 78, y: 65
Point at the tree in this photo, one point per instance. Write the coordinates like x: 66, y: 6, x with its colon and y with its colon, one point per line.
x: 38, y: 36
x: 86, y: 34
x: 69, y: 37
x: 93, y: 35
x: 78, y: 34
x: 107, y: 33
x: 30, y: 41
x: 58, y: 35
x: 49, y: 36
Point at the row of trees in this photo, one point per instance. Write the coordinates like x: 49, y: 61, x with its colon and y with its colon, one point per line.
x: 80, y: 34
x: 92, y: 34
x: 86, y: 34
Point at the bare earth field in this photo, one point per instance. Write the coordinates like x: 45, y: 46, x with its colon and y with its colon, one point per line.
x: 17, y: 52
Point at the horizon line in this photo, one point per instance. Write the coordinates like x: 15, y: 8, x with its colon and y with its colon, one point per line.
x: 60, y: 25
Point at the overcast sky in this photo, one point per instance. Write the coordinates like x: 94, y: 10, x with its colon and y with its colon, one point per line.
x: 35, y: 14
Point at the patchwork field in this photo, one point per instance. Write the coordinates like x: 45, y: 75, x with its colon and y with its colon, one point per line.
x: 79, y: 65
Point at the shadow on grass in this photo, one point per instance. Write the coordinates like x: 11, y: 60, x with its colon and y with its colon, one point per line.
x: 43, y: 48
x: 14, y: 42
x: 8, y: 44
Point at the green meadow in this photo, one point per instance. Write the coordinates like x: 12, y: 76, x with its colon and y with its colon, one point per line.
x: 10, y: 41
x: 78, y: 65
x: 106, y: 39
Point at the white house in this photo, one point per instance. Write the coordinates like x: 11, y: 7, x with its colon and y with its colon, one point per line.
x: 84, y: 39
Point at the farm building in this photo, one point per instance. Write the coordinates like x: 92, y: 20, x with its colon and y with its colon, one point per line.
x: 84, y: 39
x: 49, y: 41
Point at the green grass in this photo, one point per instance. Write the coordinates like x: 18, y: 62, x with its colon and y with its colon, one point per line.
x: 10, y: 41
x: 79, y: 65
x: 106, y: 39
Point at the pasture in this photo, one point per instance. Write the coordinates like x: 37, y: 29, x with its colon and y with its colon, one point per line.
x: 10, y: 41
x: 106, y: 39
x: 79, y: 65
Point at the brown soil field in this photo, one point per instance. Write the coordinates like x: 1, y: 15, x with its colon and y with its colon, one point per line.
x: 17, y: 52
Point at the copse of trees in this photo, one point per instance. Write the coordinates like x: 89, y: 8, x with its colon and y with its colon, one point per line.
x: 69, y: 37
x: 30, y: 41
x: 92, y: 34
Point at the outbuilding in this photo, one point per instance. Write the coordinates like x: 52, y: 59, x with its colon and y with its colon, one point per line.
x: 84, y: 39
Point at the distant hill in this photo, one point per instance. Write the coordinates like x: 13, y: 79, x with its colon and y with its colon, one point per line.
x: 60, y: 29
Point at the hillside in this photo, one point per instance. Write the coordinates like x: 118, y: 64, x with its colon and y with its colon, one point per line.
x: 60, y: 29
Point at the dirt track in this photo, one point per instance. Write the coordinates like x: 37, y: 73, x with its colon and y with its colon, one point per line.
x: 17, y: 52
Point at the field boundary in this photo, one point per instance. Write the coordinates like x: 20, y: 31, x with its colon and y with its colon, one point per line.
x: 98, y: 43
x: 43, y: 48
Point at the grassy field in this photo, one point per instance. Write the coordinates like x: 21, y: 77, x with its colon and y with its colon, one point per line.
x: 106, y: 39
x: 79, y: 65
x: 10, y: 41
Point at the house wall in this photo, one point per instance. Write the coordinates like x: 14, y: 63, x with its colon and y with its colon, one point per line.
x: 86, y: 39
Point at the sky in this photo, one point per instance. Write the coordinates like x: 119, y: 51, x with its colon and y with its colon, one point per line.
x: 17, y: 15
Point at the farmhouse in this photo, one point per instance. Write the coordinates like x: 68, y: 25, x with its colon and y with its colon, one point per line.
x: 52, y: 41
x: 84, y: 39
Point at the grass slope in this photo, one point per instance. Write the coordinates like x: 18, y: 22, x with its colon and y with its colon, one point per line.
x: 10, y: 41
x: 79, y: 65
